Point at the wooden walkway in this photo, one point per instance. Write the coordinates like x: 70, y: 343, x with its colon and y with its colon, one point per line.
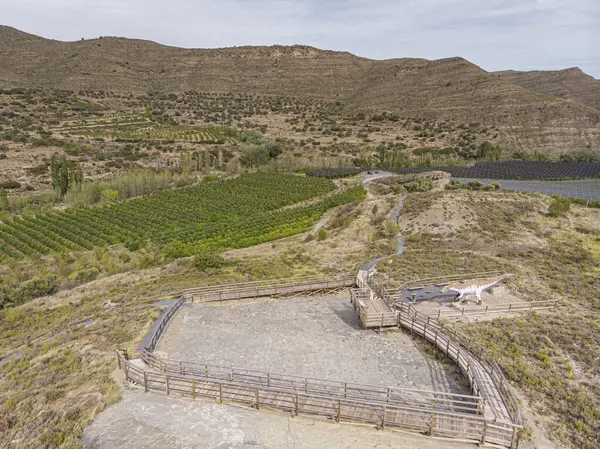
x: 427, y: 420
x: 490, y: 415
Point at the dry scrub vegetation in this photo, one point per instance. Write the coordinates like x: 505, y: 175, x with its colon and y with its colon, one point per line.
x: 553, y: 359
x: 62, y: 376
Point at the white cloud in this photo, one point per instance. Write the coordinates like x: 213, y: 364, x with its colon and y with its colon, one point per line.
x: 495, y: 34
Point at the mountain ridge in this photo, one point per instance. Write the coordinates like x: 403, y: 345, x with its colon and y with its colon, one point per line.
x: 450, y: 88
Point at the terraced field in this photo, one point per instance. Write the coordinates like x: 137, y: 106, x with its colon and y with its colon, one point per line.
x: 132, y: 128
x: 232, y: 213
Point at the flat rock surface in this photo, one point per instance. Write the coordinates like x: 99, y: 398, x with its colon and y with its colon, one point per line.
x: 153, y: 421
x: 318, y: 337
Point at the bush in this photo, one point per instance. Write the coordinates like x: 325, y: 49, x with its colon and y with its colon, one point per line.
x: 204, y: 261
x: 210, y: 178
x: 422, y: 185
x: 559, y: 207
x: 474, y: 185
x: 133, y: 244
x: 493, y: 186
x: 85, y: 275
x: 322, y: 234
x: 36, y: 287
x: 454, y: 184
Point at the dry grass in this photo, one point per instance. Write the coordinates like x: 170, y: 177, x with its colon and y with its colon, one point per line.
x: 553, y: 359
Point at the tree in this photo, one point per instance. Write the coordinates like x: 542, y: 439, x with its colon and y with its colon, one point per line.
x: 490, y: 151
x: 559, y: 207
x: 65, y: 174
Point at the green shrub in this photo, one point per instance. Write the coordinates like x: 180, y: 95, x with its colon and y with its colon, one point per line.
x: 474, y: 185
x: 36, y: 287
x: 204, y: 261
x: 493, y: 186
x: 322, y: 234
x: 422, y: 185
x: 85, y: 275
x: 559, y: 207
x: 455, y: 184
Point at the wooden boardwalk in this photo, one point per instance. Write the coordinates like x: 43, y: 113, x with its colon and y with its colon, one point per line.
x: 490, y: 415
x: 428, y: 420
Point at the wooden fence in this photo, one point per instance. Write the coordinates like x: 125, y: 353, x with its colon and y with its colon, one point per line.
x: 430, y: 421
x: 330, y: 388
x: 482, y: 371
x: 158, y: 327
x: 265, y: 288
x: 516, y: 307
x: 443, y: 280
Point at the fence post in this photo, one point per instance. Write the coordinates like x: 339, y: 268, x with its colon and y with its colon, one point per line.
x: 145, y: 381
x: 167, y: 379
x: 268, y: 379
x: 193, y: 389
x: 486, y: 310
x: 220, y: 392
x: 432, y: 423
x: 509, y: 307
x: 257, y: 400
x: 345, y: 390
x: 383, y: 418
x: 514, y: 443
x: 297, y: 404
x: 339, y: 410
x: 439, y: 313
x: 483, y: 434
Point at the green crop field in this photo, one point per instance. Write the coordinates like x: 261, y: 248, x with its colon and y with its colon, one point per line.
x: 140, y: 129
x: 232, y: 213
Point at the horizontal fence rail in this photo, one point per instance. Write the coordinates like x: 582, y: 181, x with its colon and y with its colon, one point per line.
x: 323, y: 387
x: 434, y: 422
x: 482, y: 371
x: 443, y: 280
x: 265, y: 288
x: 519, y: 307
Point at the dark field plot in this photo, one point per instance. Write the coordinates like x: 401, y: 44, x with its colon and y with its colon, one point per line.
x: 527, y: 170
x: 584, y: 189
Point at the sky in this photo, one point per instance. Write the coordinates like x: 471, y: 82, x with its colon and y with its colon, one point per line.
x: 494, y: 34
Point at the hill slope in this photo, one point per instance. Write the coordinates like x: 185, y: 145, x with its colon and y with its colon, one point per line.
x: 572, y: 84
x: 450, y: 88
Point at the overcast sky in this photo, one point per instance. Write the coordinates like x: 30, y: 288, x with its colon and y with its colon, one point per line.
x: 495, y: 34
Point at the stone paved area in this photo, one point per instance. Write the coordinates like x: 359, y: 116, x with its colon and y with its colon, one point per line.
x: 317, y: 337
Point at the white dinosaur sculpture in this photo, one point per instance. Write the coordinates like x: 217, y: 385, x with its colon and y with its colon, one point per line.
x: 473, y: 287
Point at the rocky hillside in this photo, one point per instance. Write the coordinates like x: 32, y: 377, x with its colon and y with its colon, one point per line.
x: 571, y: 84
x: 450, y: 88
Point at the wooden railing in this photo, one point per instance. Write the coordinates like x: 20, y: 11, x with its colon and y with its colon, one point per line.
x: 516, y: 307
x: 471, y: 358
x: 430, y: 421
x: 158, y: 327
x: 270, y: 287
x: 443, y: 280
x: 337, y: 389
